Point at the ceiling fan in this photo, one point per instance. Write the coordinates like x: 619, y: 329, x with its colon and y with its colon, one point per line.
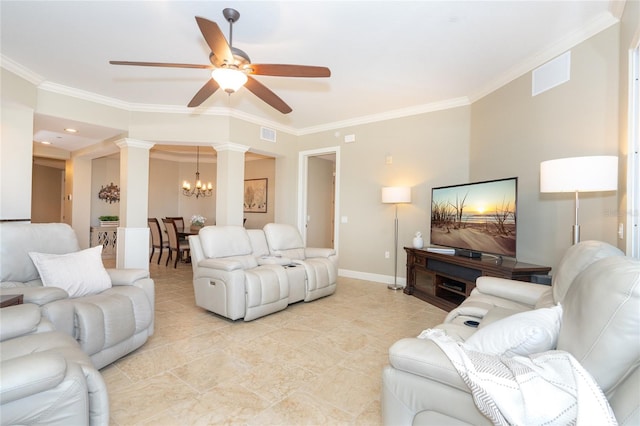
x: 232, y: 67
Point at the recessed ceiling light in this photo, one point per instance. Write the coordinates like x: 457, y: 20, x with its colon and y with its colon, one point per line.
x: 45, y: 142
x: 70, y: 130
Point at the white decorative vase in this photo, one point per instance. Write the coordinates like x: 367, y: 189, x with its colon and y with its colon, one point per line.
x: 418, y: 242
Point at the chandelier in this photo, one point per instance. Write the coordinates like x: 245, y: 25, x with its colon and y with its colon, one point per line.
x: 199, y: 190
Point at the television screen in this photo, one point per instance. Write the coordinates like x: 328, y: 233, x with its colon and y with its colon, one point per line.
x: 479, y: 216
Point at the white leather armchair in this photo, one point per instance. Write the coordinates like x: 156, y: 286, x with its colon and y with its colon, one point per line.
x: 227, y: 278
x: 108, y: 324
x: 320, y: 264
x: 600, y: 327
x: 46, y: 377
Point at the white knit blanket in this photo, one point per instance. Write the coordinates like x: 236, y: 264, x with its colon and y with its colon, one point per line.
x: 550, y: 388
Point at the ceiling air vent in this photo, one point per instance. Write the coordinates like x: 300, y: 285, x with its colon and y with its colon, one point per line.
x: 552, y: 74
x: 267, y: 134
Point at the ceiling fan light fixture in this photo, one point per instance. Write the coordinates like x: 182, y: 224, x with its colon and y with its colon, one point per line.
x: 229, y: 79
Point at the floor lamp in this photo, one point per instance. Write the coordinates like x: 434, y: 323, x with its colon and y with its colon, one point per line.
x: 579, y: 174
x: 396, y: 195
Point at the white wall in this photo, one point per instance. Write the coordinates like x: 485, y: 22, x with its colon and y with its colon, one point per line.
x: 16, y: 133
x: 17, y: 104
x: 513, y: 131
x: 426, y: 150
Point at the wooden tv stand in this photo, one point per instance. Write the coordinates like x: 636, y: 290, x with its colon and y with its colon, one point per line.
x: 445, y: 280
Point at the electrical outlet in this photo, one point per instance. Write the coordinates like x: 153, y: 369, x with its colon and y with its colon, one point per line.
x: 387, y: 255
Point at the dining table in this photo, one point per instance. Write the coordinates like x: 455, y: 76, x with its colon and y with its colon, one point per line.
x: 185, y: 233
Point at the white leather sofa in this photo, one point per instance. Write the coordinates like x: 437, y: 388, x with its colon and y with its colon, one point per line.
x: 107, y: 323
x: 495, y: 298
x: 46, y: 378
x: 237, y: 274
x: 599, y: 291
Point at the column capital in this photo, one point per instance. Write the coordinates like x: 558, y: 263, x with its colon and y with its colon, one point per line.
x: 134, y: 143
x: 230, y: 146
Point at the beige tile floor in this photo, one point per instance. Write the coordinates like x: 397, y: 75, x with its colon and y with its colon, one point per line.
x: 316, y: 363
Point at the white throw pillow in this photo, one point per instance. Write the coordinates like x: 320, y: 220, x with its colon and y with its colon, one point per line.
x: 523, y: 334
x: 80, y: 273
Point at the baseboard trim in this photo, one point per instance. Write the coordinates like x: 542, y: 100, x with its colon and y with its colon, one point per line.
x: 386, y: 279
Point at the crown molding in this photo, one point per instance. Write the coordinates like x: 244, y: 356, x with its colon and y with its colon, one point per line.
x: 21, y: 71
x: 84, y: 95
x: 600, y: 23
x: 150, y: 108
x: 388, y: 115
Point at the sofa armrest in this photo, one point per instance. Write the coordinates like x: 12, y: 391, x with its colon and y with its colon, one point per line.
x: 274, y: 260
x: 30, y: 374
x: 19, y: 320
x: 126, y: 276
x: 424, y: 358
x: 318, y: 252
x: 221, y: 264
x: 517, y: 291
x: 37, y: 295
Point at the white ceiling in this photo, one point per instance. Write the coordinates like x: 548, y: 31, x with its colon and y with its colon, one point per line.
x: 388, y: 58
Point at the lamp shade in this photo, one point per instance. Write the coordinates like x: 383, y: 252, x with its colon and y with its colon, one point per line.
x: 579, y: 174
x: 230, y: 80
x: 396, y: 194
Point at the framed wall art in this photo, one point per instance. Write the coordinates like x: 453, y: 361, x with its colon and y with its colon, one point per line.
x: 255, y: 195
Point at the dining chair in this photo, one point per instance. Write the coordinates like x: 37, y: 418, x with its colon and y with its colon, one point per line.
x: 179, y: 221
x: 180, y: 247
x: 156, y: 238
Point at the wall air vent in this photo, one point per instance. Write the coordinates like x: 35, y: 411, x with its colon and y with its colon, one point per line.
x: 267, y: 134
x: 552, y: 74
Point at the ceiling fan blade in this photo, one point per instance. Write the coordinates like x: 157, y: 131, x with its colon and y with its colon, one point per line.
x: 203, y: 94
x: 261, y: 91
x: 215, y: 39
x: 160, y: 64
x: 282, y: 70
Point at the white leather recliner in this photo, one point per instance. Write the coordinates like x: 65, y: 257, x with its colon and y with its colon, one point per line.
x: 320, y: 264
x: 46, y: 377
x: 600, y: 294
x: 227, y: 278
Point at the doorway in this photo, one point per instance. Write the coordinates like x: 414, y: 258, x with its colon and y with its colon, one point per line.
x: 47, y: 189
x: 318, y: 196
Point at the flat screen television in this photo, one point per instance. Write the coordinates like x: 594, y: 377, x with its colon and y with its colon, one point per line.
x: 476, y: 218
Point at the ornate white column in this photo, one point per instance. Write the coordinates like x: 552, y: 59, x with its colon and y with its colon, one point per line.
x: 133, y: 232
x: 230, y: 183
